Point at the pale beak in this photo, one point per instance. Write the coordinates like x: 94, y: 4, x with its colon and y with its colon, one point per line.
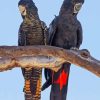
x: 77, y: 7
x: 22, y: 10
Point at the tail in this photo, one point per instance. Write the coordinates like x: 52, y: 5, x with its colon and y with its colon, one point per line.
x: 33, y: 79
x: 48, y: 77
x: 60, y: 83
x: 47, y: 84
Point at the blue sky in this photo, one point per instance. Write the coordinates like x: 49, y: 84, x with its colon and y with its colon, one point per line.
x: 83, y: 85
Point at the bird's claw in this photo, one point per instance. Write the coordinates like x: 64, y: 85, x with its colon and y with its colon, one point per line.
x: 74, y: 48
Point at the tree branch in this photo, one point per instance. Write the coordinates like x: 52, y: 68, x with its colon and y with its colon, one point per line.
x: 45, y: 57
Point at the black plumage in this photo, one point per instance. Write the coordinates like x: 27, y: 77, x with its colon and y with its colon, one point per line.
x: 65, y: 31
x: 31, y: 32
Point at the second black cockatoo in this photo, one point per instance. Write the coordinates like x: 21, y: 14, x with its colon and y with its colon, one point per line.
x: 31, y: 32
x: 65, y: 31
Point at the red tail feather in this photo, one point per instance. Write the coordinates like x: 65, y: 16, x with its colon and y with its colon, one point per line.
x: 62, y: 79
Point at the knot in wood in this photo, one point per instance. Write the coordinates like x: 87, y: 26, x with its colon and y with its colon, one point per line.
x: 85, y: 53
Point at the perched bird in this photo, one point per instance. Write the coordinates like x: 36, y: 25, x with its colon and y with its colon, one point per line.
x: 31, y: 32
x: 65, y: 31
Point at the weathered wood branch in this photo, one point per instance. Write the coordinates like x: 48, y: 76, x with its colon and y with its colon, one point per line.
x: 45, y: 57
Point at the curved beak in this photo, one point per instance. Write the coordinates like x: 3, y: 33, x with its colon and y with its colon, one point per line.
x: 77, y: 7
x: 22, y: 10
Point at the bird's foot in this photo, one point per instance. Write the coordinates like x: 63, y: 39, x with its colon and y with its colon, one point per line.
x: 74, y: 48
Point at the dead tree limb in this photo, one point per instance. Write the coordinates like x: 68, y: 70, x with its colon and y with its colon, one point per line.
x: 45, y: 57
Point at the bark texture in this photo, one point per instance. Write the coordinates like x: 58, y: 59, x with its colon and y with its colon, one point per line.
x: 45, y: 57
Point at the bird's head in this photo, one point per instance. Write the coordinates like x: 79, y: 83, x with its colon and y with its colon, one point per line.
x: 71, y: 6
x: 27, y: 8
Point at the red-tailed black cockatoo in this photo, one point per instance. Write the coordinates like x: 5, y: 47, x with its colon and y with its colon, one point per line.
x: 65, y: 31
x: 31, y: 32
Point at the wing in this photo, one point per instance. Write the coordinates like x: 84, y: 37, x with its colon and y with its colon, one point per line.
x: 52, y: 29
x: 21, y: 36
x: 79, y: 36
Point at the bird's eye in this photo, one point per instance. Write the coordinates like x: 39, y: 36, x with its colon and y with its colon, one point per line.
x: 22, y: 10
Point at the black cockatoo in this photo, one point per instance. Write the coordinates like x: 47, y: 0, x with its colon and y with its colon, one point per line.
x: 65, y: 31
x: 31, y: 32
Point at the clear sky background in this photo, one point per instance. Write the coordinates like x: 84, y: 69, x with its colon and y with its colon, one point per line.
x: 83, y: 85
